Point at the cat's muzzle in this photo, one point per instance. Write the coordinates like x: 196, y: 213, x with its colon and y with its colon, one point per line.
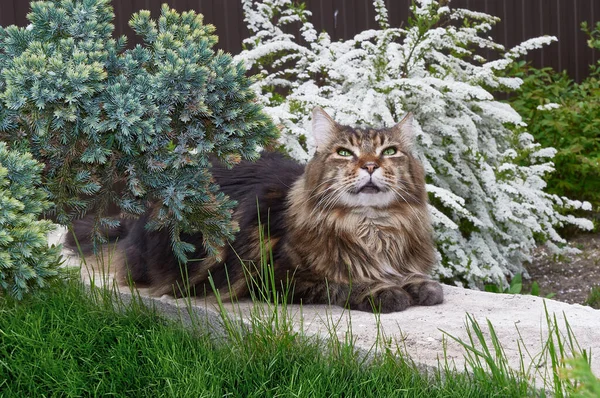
x: 369, y: 187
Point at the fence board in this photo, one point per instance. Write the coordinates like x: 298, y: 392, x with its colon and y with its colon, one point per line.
x: 521, y: 20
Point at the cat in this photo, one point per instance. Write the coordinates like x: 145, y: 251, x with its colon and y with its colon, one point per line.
x: 351, y: 228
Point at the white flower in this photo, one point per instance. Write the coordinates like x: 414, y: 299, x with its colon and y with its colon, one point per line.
x: 489, y: 206
x: 547, y: 107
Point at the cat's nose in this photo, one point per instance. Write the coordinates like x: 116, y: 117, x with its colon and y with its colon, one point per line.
x: 370, y: 167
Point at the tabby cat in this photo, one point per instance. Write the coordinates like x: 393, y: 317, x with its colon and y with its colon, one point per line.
x: 350, y: 228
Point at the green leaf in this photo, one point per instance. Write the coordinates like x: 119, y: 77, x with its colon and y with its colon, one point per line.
x: 535, y: 289
x: 516, y: 284
x: 492, y: 288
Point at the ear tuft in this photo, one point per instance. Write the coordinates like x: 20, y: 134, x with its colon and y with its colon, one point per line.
x: 405, y: 130
x: 323, y: 126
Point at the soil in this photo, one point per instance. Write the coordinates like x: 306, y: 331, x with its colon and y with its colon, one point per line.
x: 569, y: 277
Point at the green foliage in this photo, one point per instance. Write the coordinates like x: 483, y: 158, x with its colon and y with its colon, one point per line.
x: 516, y: 287
x: 132, y: 128
x: 485, y: 354
x: 26, y: 261
x: 572, y: 126
x: 593, y: 37
x: 588, y: 385
x: 593, y: 298
x: 82, y: 344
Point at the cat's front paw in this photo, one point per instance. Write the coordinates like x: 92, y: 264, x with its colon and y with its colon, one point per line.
x: 429, y: 293
x: 386, y: 301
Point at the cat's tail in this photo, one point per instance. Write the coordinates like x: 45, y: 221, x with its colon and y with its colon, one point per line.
x: 79, y: 237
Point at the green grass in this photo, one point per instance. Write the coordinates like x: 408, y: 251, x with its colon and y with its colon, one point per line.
x: 589, y: 385
x: 72, y: 340
x: 65, y: 341
x: 563, y: 367
x: 593, y: 298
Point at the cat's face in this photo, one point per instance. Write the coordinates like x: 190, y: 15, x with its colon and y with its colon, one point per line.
x: 363, y: 167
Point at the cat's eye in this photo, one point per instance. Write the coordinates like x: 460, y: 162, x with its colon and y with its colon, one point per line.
x: 344, y: 152
x: 390, y: 151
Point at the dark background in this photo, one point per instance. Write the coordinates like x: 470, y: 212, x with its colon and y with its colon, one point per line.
x: 521, y: 20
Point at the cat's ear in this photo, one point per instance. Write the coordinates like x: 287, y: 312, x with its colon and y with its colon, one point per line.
x: 323, y: 126
x: 405, y: 131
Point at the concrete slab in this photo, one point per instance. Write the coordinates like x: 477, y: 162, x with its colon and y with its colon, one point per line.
x: 519, y: 322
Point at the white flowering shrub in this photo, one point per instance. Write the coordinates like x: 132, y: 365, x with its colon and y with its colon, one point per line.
x: 485, y: 173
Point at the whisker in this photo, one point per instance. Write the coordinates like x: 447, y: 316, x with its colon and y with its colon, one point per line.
x: 324, y: 192
x: 410, y: 206
x: 317, y: 187
x: 395, y: 184
x: 332, y: 197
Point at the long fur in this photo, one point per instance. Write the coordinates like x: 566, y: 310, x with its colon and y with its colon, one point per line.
x: 347, y: 230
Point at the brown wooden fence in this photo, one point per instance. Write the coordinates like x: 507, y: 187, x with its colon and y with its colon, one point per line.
x: 521, y: 20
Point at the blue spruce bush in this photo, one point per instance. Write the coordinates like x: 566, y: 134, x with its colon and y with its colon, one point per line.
x: 145, y: 119
x: 26, y: 261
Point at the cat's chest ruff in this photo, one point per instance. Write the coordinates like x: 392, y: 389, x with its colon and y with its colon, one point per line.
x: 377, y: 244
x: 374, y: 228
x: 373, y: 219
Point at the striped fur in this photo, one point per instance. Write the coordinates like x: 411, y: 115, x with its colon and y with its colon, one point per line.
x: 351, y: 228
